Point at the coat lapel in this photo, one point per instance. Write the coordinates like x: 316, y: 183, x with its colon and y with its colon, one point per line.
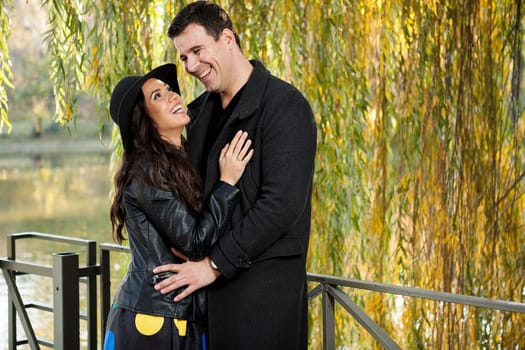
x: 201, y: 113
x: 212, y: 164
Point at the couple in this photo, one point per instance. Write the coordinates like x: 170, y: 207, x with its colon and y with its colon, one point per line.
x: 243, y: 229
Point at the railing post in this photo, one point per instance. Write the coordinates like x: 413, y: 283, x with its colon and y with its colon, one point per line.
x: 105, y: 250
x: 92, y: 321
x: 105, y: 288
x: 66, y: 301
x: 11, y: 312
x: 328, y: 319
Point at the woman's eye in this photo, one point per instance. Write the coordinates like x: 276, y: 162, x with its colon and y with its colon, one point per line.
x: 169, y: 88
x: 157, y: 95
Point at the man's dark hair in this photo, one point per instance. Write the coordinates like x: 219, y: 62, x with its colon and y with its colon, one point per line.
x: 211, y: 16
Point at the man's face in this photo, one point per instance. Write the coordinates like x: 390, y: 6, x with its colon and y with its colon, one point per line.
x: 204, y: 57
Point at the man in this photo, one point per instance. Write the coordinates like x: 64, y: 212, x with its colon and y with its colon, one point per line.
x: 257, y: 297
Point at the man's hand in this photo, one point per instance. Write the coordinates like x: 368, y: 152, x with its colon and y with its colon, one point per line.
x: 193, y: 274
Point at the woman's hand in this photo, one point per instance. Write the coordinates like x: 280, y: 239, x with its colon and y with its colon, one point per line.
x: 234, y: 157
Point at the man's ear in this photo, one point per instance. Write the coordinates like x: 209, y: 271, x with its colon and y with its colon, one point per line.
x: 228, y: 36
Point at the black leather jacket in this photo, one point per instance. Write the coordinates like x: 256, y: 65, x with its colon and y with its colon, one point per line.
x: 157, y: 220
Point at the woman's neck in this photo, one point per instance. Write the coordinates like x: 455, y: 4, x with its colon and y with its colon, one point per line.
x: 173, y: 139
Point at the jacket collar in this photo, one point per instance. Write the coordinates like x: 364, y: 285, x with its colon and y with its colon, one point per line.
x: 201, y: 109
x: 254, y: 90
x: 249, y: 102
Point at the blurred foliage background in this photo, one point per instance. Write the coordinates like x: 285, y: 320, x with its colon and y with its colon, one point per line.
x: 419, y: 173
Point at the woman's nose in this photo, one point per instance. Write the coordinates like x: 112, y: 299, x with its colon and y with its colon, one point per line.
x: 172, y: 95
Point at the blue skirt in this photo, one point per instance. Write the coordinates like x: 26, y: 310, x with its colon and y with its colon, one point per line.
x: 129, y: 330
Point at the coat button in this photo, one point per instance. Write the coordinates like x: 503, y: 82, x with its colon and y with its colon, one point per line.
x: 245, y: 262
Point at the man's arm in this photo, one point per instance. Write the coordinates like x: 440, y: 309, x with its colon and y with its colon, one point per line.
x: 286, y: 164
x: 192, y: 274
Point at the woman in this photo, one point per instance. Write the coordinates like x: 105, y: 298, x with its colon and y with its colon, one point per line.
x: 158, y: 199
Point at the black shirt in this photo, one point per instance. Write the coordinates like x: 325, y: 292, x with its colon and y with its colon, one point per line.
x: 217, y: 122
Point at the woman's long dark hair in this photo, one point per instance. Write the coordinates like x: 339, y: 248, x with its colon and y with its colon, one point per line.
x: 169, y: 168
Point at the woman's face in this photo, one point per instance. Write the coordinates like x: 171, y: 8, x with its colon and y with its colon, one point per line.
x: 164, y: 107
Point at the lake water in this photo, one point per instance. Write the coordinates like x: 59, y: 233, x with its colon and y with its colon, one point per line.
x: 64, y: 193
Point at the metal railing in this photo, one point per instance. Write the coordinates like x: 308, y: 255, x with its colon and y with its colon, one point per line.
x: 105, y: 279
x: 329, y: 289
x: 66, y: 274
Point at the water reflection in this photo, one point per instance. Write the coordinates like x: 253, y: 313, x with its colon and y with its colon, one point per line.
x: 62, y: 194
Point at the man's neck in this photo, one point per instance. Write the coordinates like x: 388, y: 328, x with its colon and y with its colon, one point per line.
x: 242, y: 75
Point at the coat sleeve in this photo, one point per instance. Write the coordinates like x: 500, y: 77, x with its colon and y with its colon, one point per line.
x: 281, y: 211
x: 174, y: 220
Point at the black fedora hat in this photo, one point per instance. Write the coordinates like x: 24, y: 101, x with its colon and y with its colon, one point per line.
x: 124, y: 96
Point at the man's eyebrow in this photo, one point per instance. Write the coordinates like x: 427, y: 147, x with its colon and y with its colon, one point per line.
x: 196, y: 47
x: 191, y: 49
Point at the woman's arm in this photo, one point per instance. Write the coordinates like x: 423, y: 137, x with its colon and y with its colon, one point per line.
x: 190, y: 234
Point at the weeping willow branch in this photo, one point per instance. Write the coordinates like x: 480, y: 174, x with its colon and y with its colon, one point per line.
x: 419, y: 173
x: 65, y: 40
x: 6, y: 76
x: 517, y: 68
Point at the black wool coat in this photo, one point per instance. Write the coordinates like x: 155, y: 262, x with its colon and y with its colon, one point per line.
x: 260, y: 302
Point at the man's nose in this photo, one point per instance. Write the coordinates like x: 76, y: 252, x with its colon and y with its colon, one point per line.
x: 191, y: 64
